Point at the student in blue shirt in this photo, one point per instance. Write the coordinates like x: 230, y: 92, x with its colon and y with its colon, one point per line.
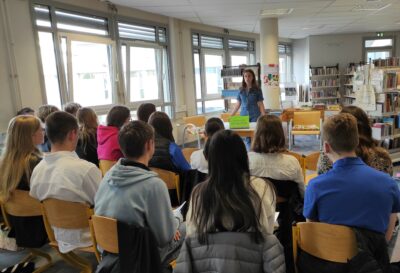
x: 250, y: 98
x: 167, y: 154
x: 351, y: 193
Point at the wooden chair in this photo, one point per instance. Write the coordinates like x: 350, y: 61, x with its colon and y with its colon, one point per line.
x: 332, y: 243
x: 68, y: 215
x: 305, y: 123
x: 310, y: 163
x: 194, y: 124
x: 187, y: 152
x: 171, y: 179
x: 105, y: 165
x: 299, y: 158
x: 20, y: 204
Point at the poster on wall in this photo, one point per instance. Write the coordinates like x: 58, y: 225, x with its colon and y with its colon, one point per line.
x: 271, y: 75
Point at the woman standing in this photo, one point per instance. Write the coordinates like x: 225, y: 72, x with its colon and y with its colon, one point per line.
x: 17, y: 163
x: 250, y: 98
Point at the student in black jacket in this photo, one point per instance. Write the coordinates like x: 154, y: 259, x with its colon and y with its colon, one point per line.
x: 87, y: 143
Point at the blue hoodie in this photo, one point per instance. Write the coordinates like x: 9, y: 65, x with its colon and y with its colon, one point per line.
x: 135, y: 195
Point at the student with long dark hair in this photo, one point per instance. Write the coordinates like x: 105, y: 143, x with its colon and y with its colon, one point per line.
x: 107, y: 136
x: 87, y: 143
x: 367, y: 149
x: 198, y: 158
x: 230, y: 199
x: 167, y: 154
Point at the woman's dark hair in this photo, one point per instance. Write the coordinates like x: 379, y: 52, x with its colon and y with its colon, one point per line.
x: 253, y: 82
x: 145, y: 110
x: 269, y: 136
x: 212, y: 126
x: 26, y: 111
x: 72, y: 108
x: 366, y: 141
x: 88, y: 123
x: 162, y: 125
x: 227, y: 193
x: 117, y: 116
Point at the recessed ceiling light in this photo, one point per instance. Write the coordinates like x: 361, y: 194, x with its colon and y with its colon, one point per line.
x: 275, y: 12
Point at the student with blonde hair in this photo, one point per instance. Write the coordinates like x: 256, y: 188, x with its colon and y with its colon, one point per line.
x: 87, y: 143
x: 19, y: 158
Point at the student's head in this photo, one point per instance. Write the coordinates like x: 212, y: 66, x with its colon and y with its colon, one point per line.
x: 45, y: 110
x: 162, y: 125
x: 62, y: 129
x: 249, y: 79
x: 118, y: 116
x: 87, y: 118
x: 72, y: 108
x: 340, y: 134
x: 363, y: 125
x: 227, y: 191
x: 145, y: 110
x: 269, y: 136
x: 212, y: 126
x: 26, y: 111
x: 136, y: 140
x: 24, y: 133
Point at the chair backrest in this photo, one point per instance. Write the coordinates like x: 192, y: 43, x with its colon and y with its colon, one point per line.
x: 299, y: 157
x: 105, y: 165
x: 171, y: 179
x: 22, y: 204
x: 65, y: 214
x: 325, y: 241
x: 311, y: 161
x: 187, y: 152
x: 198, y: 121
x: 307, y: 118
x: 106, y: 233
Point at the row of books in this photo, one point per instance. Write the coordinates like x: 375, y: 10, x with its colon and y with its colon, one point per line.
x: 391, y: 80
x: 324, y: 93
x: 332, y: 70
x: 231, y: 72
x: 232, y: 85
x: 390, y: 61
x: 325, y: 82
x: 381, y: 130
x: 290, y: 91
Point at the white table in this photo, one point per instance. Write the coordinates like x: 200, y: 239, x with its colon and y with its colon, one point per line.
x: 243, y: 132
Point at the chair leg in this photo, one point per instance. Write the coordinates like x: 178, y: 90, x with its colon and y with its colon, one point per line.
x: 44, y: 255
x: 76, y: 261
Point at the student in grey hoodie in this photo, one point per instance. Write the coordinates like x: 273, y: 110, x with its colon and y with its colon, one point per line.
x: 130, y: 192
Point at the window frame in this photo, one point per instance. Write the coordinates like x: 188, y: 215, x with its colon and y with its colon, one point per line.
x: 391, y: 49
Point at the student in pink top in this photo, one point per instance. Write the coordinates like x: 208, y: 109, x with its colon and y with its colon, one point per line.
x: 107, y: 136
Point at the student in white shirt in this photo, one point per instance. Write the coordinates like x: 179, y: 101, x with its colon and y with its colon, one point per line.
x: 267, y: 158
x: 198, y: 159
x: 63, y: 175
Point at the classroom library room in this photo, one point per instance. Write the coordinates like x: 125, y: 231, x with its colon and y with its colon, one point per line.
x: 199, y: 136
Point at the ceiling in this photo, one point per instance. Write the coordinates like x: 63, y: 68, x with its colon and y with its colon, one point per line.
x: 309, y: 17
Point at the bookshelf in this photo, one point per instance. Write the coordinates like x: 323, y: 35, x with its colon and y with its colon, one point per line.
x: 232, y: 79
x: 348, y: 95
x: 324, y: 84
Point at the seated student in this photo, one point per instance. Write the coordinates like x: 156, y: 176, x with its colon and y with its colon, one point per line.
x: 145, y: 110
x: 198, y: 160
x: 72, y: 108
x: 43, y: 112
x: 367, y: 149
x: 230, y: 201
x: 26, y: 111
x: 267, y: 158
x: 352, y: 193
x: 167, y: 155
x: 133, y: 194
x: 17, y: 163
x: 107, y: 136
x: 87, y: 143
x: 63, y: 175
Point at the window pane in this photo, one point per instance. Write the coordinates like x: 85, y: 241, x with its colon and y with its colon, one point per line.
x: 199, y: 108
x: 168, y: 110
x: 379, y: 43
x: 49, y: 68
x: 373, y: 55
x: 165, y: 76
x: 195, y: 39
x: 213, y: 66
x: 81, y: 22
x: 211, y: 42
x: 162, y: 35
x: 137, y: 32
x: 42, y: 14
x: 282, y: 68
x: 197, y: 78
x: 238, y: 60
x: 143, y: 74
x: 123, y: 57
x: 214, y: 105
x: 91, y: 66
x: 238, y: 44
x: 64, y: 58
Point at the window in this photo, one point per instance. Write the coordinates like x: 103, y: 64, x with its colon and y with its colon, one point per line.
x: 210, y: 54
x: 79, y: 59
x: 378, y: 48
x: 285, y: 63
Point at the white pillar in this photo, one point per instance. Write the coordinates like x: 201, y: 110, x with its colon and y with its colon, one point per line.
x: 269, y: 56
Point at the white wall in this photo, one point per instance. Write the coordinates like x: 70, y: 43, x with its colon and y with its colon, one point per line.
x: 301, y: 60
